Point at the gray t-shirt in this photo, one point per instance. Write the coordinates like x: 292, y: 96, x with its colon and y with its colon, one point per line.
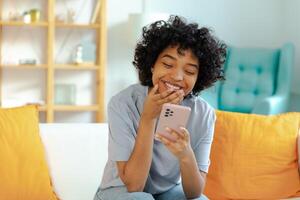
x: 124, y: 112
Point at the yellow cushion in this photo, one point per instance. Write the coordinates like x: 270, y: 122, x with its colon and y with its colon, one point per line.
x: 23, y: 168
x: 254, y: 157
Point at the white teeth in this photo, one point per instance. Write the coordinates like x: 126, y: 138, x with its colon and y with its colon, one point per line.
x: 172, y: 87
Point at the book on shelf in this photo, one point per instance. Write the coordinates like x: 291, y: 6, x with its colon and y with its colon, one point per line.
x: 96, y: 12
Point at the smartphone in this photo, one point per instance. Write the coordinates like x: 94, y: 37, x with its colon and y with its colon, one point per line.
x: 174, y: 117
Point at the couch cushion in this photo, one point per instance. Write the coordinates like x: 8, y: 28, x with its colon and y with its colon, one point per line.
x: 76, y: 153
x: 254, y: 157
x: 23, y: 169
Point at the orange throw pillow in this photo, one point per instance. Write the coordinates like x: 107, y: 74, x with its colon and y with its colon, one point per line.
x: 254, y: 157
x: 23, y: 168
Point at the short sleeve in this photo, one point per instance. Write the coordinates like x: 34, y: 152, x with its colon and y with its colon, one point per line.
x: 121, y: 133
x: 203, y: 146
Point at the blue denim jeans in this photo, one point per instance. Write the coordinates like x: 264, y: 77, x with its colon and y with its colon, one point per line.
x: 120, y: 193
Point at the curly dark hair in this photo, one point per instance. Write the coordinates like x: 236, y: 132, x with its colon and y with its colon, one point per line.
x: 211, y: 53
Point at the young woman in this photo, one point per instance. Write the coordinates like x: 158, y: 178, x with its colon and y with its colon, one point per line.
x: 175, y: 61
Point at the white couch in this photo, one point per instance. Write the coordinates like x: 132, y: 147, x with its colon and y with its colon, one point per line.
x: 76, y: 155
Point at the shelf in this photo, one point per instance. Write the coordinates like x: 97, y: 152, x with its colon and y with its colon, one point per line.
x: 57, y: 66
x: 83, y: 26
x: 53, y: 31
x: 74, y: 108
x: 39, y: 66
x: 76, y: 67
x: 20, y: 23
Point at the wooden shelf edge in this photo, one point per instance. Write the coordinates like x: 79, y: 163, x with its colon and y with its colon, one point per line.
x: 76, y: 66
x: 38, y: 66
x: 74, y: 108
x: 83, y: 26
x: 20, y: 23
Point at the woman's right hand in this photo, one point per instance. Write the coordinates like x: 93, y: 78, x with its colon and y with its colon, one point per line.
x: 155, y: 100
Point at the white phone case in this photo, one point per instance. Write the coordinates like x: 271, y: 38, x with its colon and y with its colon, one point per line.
x: 174, y: 117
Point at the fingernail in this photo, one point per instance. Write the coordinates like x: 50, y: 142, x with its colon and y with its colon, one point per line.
x: 168, y: 129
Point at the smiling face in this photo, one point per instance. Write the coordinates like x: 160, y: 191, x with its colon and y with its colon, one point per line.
x: 174, y: 71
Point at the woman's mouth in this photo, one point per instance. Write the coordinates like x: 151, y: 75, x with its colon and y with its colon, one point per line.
x: 171, y: 86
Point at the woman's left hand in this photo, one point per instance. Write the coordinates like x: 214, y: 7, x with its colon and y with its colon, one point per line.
x: 181, y: 146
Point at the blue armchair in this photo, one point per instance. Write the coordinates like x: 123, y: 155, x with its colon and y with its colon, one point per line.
x: 257, y: 81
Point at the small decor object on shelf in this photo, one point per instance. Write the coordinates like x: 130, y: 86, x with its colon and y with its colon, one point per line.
x: 34, y: 15
x: 28, y: 61
x: 65, y: 94
x: 78, y: 54
x: 26, y: 17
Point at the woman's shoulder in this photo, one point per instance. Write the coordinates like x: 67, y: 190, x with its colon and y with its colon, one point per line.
x: 198, y: 104
x: 202, y: 118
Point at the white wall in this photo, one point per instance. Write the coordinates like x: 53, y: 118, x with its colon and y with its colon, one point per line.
x: 291, y: 31
x: 242, y: 23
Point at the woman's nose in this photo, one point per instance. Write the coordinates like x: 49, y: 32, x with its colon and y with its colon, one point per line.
x: 177, y: 75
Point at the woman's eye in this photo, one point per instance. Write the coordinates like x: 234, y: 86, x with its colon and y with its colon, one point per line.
x: 190, y: 72
x: 167, y: 65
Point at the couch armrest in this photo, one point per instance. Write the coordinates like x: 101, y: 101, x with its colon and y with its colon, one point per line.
x: 271, y: 105
x: 76, y: 154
